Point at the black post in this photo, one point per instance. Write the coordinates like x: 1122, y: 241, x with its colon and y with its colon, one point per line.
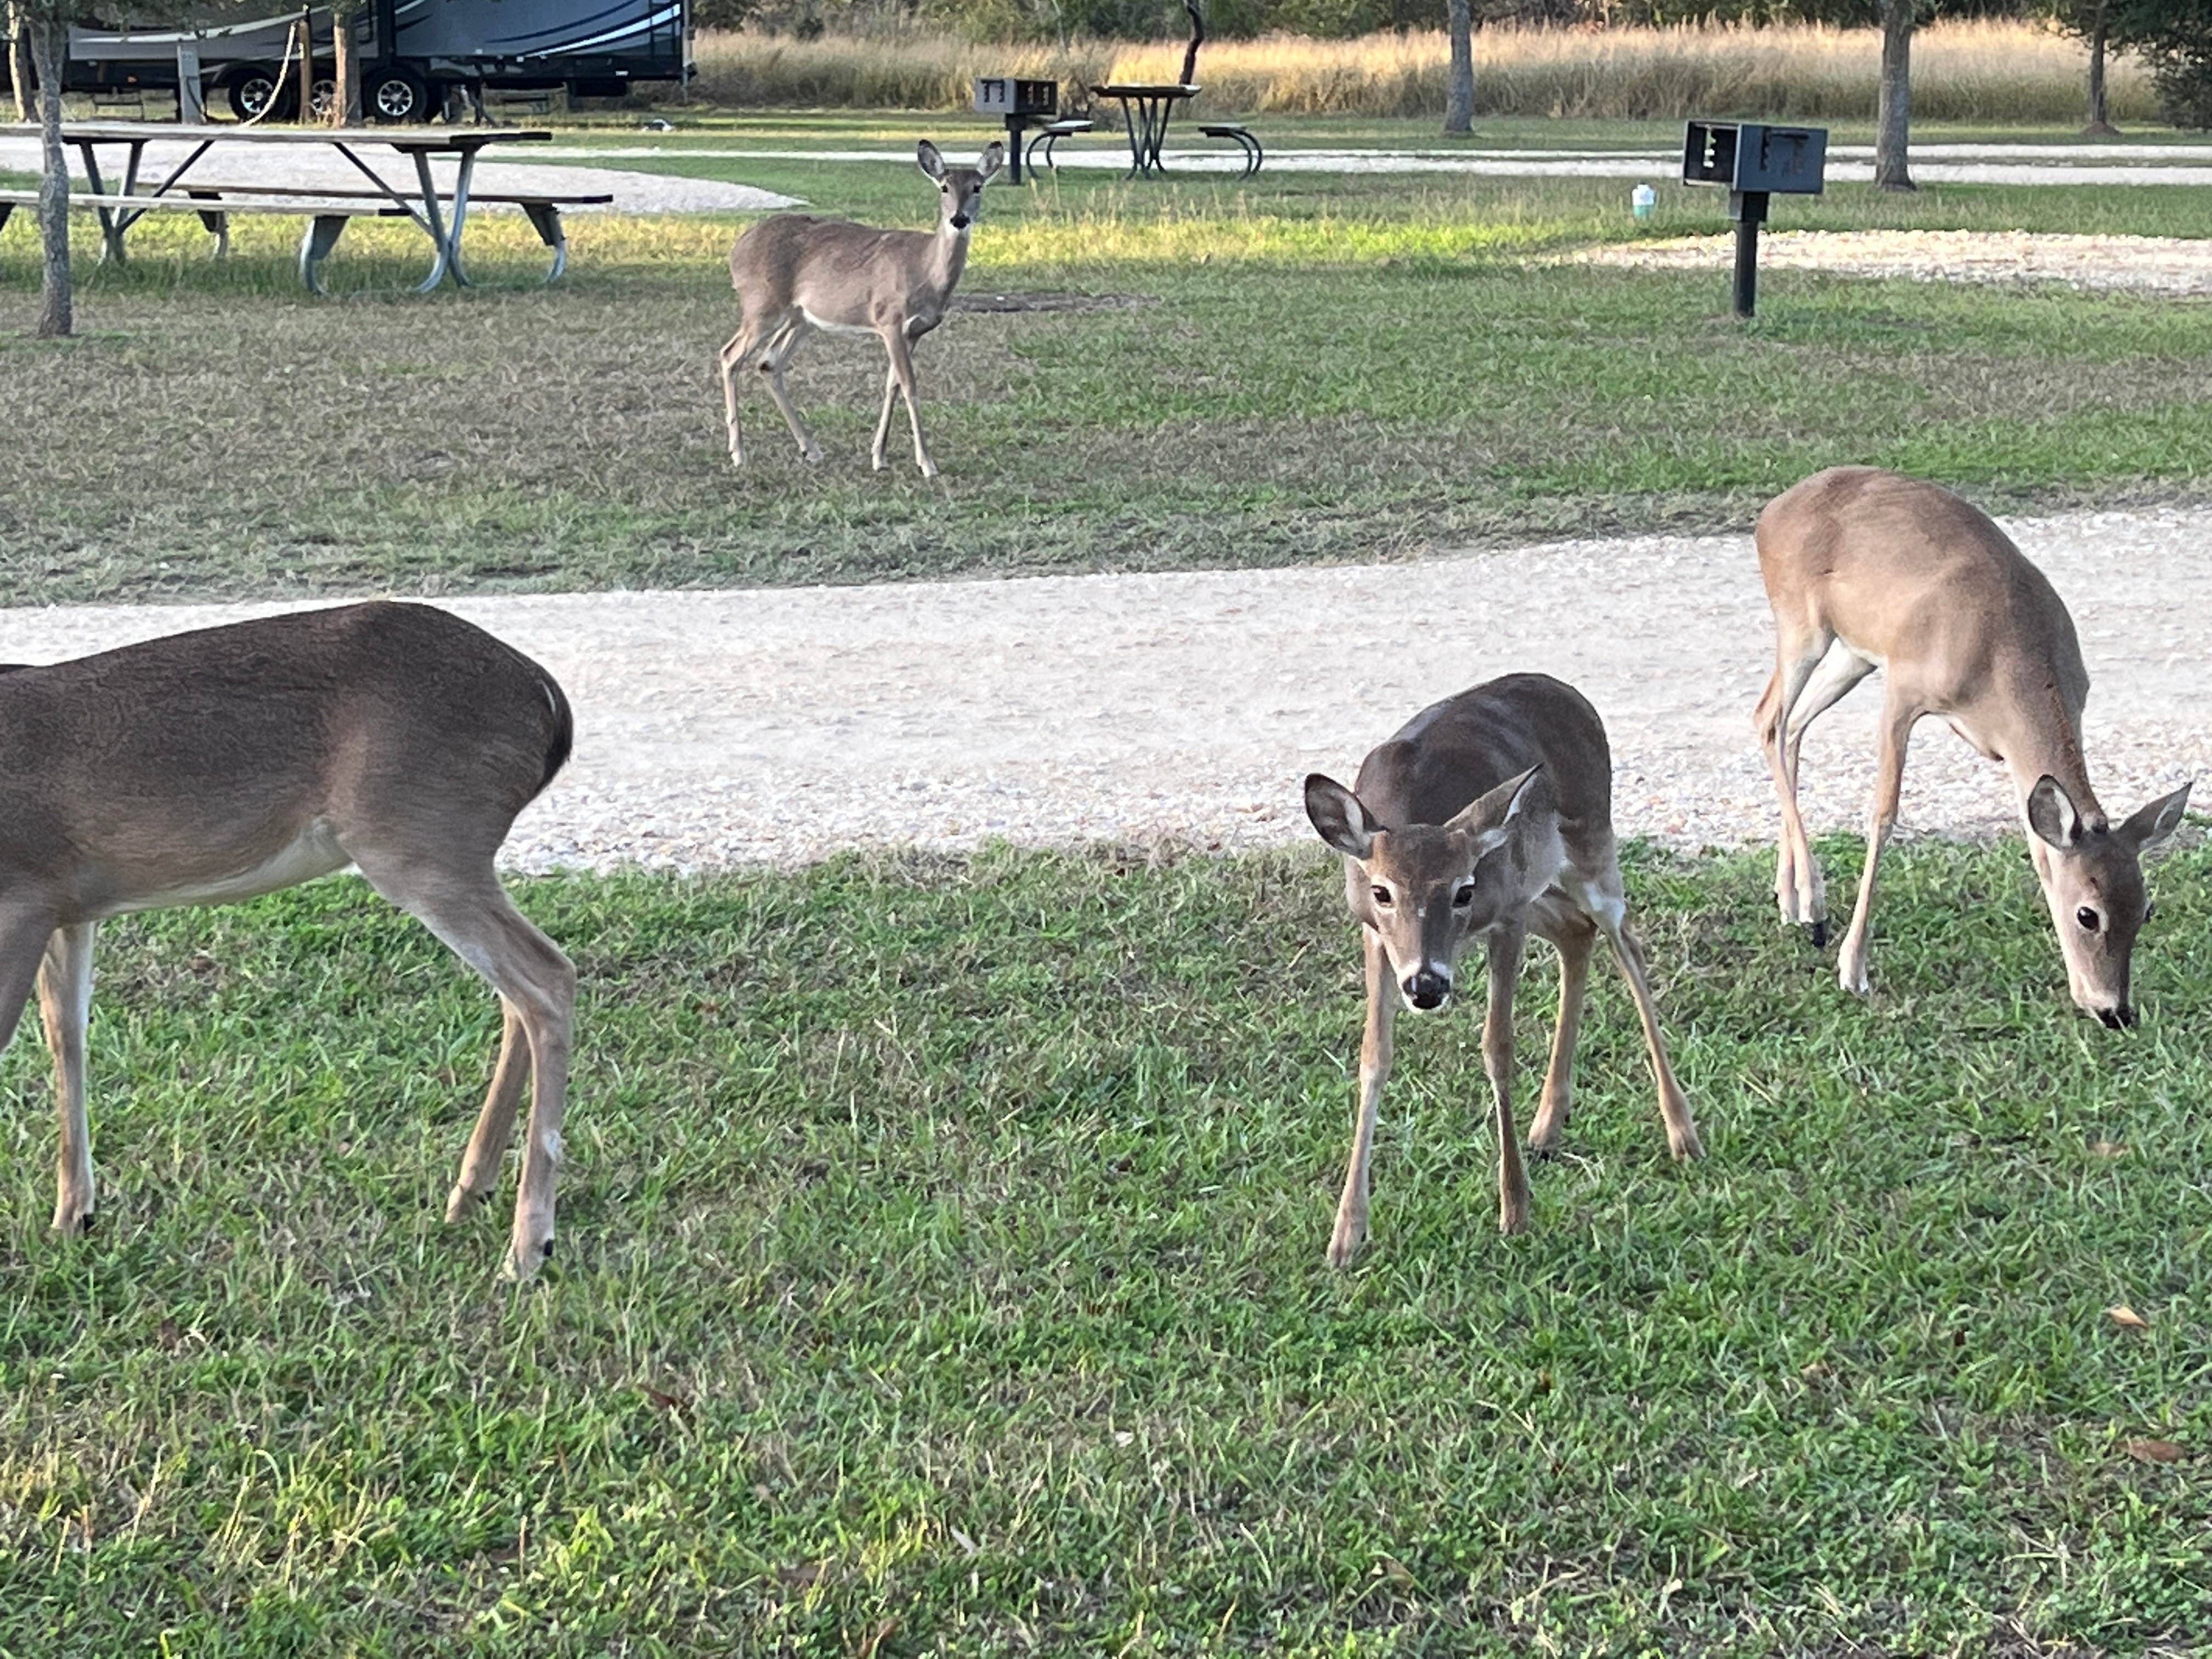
x: 1748, y: 209
x: 1014, y: 123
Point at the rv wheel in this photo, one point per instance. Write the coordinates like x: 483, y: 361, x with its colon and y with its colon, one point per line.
x: 255, y: 90
x: 394, y: 95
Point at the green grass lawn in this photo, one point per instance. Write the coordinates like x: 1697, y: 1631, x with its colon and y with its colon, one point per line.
x: 1308, y: 367
x: 940, y: 1271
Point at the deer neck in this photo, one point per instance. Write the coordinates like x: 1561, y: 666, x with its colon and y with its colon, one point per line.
x: 948, y: 255
x: 2042, y: 739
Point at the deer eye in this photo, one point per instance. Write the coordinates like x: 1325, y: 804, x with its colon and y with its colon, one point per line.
x: 1381, y: 895
x: 2087, y: 918
x: 1464, y: 896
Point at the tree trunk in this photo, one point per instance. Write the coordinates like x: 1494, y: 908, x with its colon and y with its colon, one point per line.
x: 1459, y: 91
x: 1893, y: 117
x: 19, y: 63
x: 345, y: 72
x: 49, y: 49
x: 2100, y: 120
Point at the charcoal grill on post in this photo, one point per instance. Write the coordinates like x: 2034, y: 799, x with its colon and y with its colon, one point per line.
x: 1754, y: 161
x: 1024, y: 104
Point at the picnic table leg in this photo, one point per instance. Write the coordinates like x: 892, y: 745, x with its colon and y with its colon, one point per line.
x: 436, y: 225
x: 315, y: 247
x: 111, y: 223
x: 547, y: 218
x: 1129, y: 119
x: 462, y: 176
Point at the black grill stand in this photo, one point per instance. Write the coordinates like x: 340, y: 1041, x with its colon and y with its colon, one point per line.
x: 1748, y: 209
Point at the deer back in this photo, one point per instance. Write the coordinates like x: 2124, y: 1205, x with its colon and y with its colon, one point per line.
x: 163, y: 767
x: 1920, y: 580
x: 1456, y: 751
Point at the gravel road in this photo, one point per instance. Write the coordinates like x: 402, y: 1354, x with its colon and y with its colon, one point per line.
x: 780, y: 725
x: 314, y: 167
x: 2164, y: 264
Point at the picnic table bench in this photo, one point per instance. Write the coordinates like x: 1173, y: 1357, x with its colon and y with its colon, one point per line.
x: 438, y: 212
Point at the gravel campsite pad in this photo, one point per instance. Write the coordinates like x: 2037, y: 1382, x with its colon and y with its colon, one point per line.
x: 2166, y: 264
x: 784, y: 724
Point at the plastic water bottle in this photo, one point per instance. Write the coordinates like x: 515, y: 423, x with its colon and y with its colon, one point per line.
x: 1643, y: 199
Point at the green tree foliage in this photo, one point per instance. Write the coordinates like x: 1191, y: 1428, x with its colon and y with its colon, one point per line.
x: 2175, y: 36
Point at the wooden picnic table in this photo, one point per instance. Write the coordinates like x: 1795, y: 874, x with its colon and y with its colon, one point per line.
x: 423, y: 203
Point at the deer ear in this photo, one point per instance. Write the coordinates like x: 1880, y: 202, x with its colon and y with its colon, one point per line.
x: 1336, y: 813
x: 994, y: 157
x: 2052, y: 815
x: 926, y: 158
x: 2151, y: 825
x: 1487, y: 816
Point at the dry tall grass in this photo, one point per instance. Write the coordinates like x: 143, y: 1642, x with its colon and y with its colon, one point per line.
x: 1963, y: 71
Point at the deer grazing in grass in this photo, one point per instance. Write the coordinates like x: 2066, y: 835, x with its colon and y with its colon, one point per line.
x: 1488, y: 816
x: 795, y: 273
x: 1867, y: 569
x: 215, y: 765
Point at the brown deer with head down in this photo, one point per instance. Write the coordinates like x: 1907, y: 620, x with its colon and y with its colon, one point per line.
x: 1868, y: 569
x: 1488, y: 817
x: 215, y: 765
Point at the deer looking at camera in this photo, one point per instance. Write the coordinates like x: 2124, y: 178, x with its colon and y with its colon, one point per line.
x: 1868, y: 569
x: 1488, y: 816
x: 795, y: 273
x: 215, y: 765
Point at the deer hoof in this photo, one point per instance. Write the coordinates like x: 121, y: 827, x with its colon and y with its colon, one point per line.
x: 461, y: 1200
x: 1820, y: 935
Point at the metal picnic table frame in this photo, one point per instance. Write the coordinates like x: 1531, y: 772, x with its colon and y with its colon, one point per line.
x: 422, y: 205
x: 1147, y: 110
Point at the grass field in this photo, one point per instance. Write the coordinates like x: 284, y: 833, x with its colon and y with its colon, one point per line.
x: 1308, y: 368
x: 940, y: 1271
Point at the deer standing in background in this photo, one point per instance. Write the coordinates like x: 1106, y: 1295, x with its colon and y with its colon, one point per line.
x: 218, y: 764
x: 1488, y: 816
x: 795, y: 273
x: 1868, y: 569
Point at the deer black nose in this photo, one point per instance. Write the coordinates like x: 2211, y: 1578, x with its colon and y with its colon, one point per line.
x: 1427, y: 990
x: 959, y: 222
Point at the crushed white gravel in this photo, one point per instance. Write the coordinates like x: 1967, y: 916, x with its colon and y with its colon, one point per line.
x: 315, y: 167
x: 2166, y: 264
x: 781, y: 725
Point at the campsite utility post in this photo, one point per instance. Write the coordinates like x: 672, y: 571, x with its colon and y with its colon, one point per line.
x: 1755, y: 162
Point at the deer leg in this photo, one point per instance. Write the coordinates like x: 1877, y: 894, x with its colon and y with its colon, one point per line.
x: 1504, y: 951
x: 1898, y: 717
x: 1604, y: 899
x: 1575, y: 935
x: 901, y: 355
x: 1840, y: 669
x: 496, y: 1122
x: 64, y: 1004
x: 876, y: 457
x: 467, y: 908
x: 23, y: 938
x: 733, y: 359
x: 779, y: 351
x: 1374, y: 1073
x: 1796, y: 875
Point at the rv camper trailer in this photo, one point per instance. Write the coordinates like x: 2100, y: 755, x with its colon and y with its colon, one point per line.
x: 411, y: 51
